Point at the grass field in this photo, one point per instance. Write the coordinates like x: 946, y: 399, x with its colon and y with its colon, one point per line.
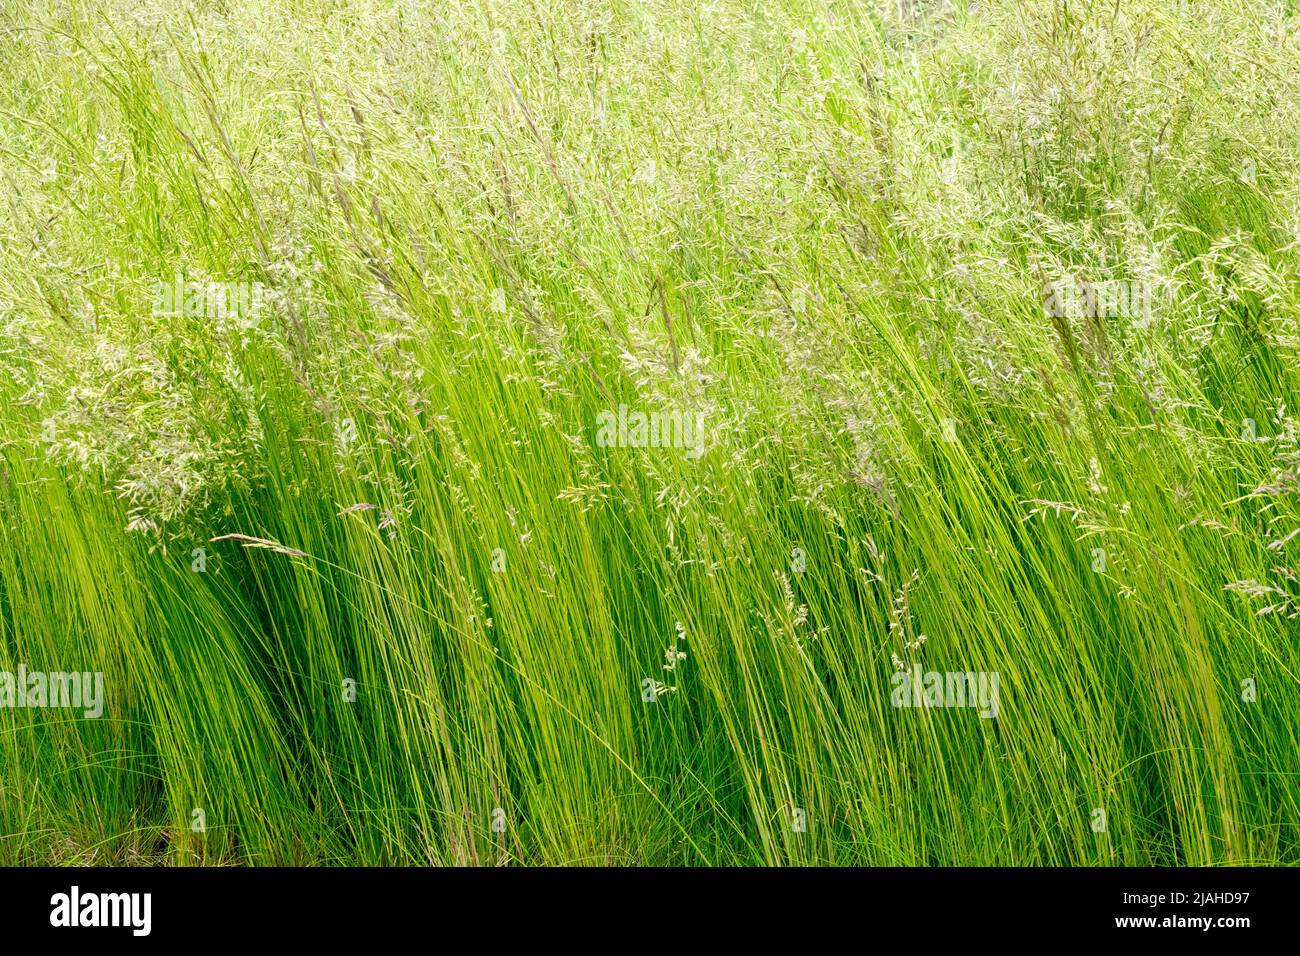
x: 599, y: 432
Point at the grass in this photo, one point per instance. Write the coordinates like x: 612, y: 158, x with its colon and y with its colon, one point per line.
x: 367, y: 587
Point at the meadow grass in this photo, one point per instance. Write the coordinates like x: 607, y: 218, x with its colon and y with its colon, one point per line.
x: 366, y: 583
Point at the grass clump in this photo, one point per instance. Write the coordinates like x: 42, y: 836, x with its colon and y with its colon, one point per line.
x: 938, y: 338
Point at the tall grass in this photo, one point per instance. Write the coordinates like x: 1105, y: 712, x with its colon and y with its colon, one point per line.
x: 365, y: 586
